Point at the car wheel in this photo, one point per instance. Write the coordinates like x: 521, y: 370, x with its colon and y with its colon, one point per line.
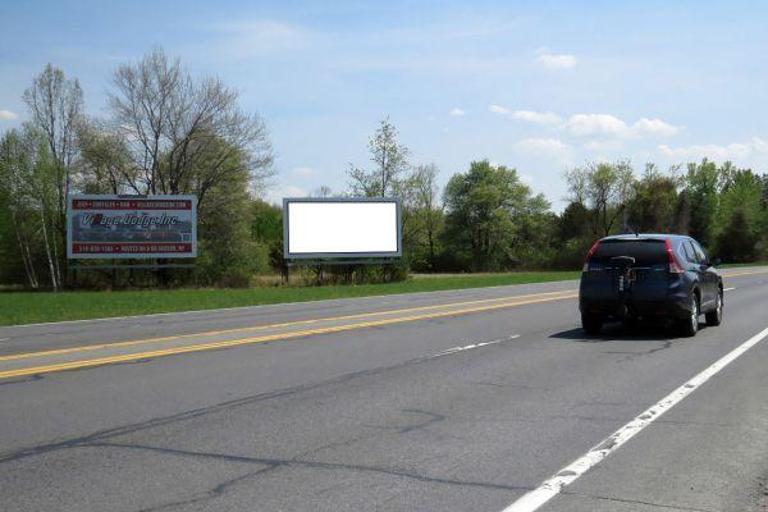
x: 689, y: 326
x: 715, y: 317
x: 591, y: 323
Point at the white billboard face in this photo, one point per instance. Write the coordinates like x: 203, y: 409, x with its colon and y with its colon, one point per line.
x: 102, y: 226
x: 327, y: 228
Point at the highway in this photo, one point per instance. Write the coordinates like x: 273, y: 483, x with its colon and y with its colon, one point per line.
x: 467, y: 400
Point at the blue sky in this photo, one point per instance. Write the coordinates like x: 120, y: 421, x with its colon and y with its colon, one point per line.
x: 539, y: 86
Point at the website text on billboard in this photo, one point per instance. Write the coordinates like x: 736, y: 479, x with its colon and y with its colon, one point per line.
x: 132, y: 227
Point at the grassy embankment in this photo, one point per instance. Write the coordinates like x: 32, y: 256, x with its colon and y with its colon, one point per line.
x: 32, y: 307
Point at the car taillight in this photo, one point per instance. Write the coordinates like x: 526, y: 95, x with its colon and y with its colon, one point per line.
x: 589, y: 256
x: 674, y: 264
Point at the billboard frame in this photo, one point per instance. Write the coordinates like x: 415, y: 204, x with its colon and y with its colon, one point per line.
x: 71, y: 256
x: 339, y: 255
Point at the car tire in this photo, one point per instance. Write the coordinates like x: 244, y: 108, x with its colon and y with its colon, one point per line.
x: 715, y: 317
x: 689, y: 326
x: 591, y: 323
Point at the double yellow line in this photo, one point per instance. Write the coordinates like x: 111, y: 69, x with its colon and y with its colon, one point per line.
x: 738, y: 273
x: 431, y: 312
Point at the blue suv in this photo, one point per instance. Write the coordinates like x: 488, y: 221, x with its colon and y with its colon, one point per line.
x: 631, y: 277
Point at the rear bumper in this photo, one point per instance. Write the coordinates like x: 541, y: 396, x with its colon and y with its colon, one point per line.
x: 671, y: 307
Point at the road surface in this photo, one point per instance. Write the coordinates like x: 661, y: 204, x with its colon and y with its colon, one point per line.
x: 467, y: 400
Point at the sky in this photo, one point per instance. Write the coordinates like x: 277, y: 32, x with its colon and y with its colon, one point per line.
x: 537, y: 86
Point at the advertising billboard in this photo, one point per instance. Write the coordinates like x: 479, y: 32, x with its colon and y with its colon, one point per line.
x: 103, y: 226
x: 341, y: 228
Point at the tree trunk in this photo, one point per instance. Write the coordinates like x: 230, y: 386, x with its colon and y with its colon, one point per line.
x: 51, y: 264
x: 26, y: 257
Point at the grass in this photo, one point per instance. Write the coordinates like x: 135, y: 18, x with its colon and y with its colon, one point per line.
x: 32, y: 307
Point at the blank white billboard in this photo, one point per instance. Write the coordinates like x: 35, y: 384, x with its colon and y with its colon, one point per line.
x: 326, y: 228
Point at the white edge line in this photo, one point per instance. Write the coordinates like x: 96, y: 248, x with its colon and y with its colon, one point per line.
x: 551, y: 487
x: 474, y: 345
x: 729, y: 288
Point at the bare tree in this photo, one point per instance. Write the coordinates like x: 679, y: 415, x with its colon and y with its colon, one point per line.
x: 105, y: 166
x: 605, y: 188
x: 391, y: 164
x: 323, y: 191
x: 184, y: 135
x: 56, y: 105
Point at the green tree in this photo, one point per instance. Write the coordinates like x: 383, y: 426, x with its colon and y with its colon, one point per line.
x: 702, y: 185
x: 488, y: 209
x: 28, y: 183
x: 425, y: 217
x: 267, y: 233
x: 391, y: 165
x: 575, y: 222
x: 740, y: 220
x: 653, y: 206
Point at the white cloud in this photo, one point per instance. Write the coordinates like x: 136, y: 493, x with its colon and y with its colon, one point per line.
x: 586, y: 125
x: 555, y: 60
x: 653, y: 127
x: 457, y: 112
x: 498, y: 109
x: 303, y: 172
x: 7, y: 115
x: 552, y: 148
x: 737, y: 151
x: 545, y: 118
x: 593, y: 125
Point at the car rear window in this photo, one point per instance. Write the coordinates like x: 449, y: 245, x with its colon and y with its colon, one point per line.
x: 647, y: 253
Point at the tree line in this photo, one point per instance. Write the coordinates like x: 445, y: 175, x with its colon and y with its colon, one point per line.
x: 167, y: 132
x: 488, y: 219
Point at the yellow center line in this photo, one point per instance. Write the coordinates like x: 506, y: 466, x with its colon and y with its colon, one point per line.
x: 130, y: 343
x: 70, y: 365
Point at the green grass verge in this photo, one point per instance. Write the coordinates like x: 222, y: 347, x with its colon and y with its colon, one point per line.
x: 32, y: 307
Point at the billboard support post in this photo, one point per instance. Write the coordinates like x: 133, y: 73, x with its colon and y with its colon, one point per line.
x: 322, y: 232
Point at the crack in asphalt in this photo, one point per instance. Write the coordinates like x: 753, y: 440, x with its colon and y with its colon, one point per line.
x: 22, y: 380
x: 213, y: 493
x: 32, y: 451
x: 638, y: 502
x: 278, y: 463
x: 432, y: 418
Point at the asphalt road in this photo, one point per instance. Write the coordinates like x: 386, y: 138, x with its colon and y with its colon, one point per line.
x: 451, y: 401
